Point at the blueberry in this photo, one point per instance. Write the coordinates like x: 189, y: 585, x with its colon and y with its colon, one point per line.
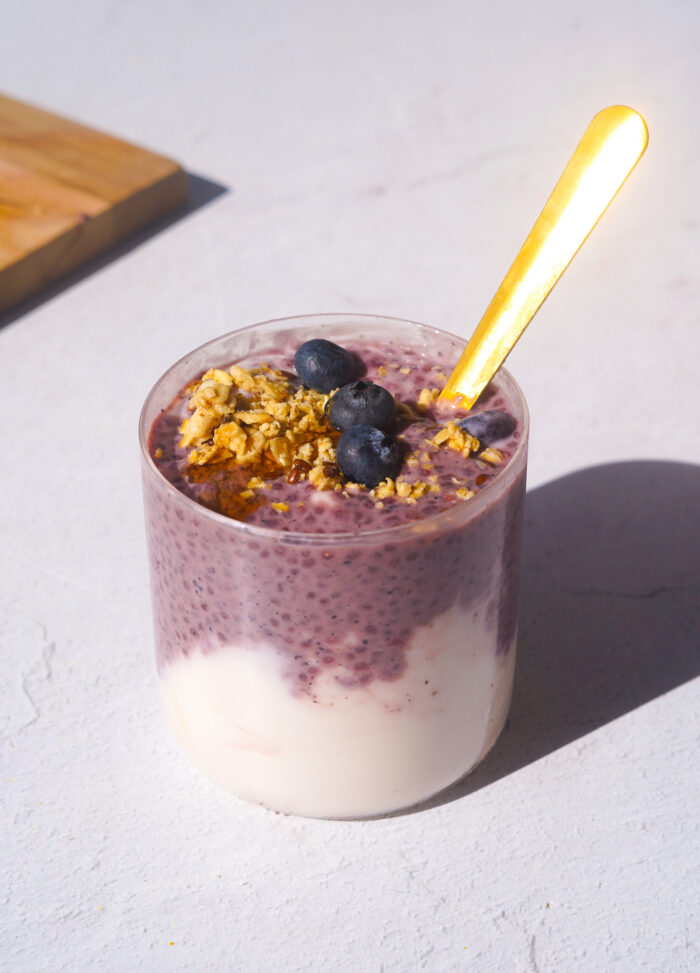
x: 362, y: 404
x: 323, y: 365
x: 488, y: 427
x: 368, y: 455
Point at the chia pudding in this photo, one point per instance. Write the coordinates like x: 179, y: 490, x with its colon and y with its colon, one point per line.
x: 326, y: 647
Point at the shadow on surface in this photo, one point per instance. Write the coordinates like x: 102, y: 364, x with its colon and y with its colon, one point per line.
x: 609, y: 607
x: 200, y: 192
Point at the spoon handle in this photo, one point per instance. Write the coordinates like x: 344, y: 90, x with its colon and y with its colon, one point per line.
x: 610, y: 148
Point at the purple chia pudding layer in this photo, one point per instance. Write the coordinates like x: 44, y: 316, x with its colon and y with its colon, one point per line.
x: 338, y: 585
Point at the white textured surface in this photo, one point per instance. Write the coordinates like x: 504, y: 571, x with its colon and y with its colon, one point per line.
x: 389, y: 158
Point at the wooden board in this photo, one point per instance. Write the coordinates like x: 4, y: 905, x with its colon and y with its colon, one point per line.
x: 68, y: 193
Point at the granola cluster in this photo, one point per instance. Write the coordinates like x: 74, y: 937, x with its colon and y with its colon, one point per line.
x: 403, y: 490
x: 454, y: 437
x: 256, y: 418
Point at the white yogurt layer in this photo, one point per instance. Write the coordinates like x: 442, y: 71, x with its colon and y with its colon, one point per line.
x: 345, y: 752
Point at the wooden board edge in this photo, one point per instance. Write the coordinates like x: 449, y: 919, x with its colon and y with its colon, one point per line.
x: 95, y: 236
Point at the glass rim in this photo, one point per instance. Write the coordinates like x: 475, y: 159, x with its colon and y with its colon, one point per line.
x: 442, y: 518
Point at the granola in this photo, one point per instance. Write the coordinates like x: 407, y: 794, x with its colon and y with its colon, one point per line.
x: 260, y: 419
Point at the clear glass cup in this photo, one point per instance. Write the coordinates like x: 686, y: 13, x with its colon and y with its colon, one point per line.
x: 247, y: 617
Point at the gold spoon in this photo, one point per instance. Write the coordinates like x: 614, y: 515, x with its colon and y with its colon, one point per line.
x: 611, y: 147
